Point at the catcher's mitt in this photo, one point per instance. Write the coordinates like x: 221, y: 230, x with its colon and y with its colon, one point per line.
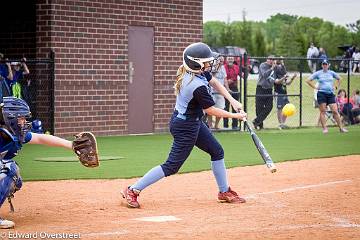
x: 85, y: 147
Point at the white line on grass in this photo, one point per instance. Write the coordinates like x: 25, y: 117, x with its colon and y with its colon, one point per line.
x: 298, y: 188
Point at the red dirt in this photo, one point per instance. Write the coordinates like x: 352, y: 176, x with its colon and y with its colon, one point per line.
x: 310, y: 199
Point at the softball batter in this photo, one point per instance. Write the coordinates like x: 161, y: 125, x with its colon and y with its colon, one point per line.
x: 193, y: 98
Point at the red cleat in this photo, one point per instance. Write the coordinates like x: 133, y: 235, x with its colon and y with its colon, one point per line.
x: 230, y: 197
x: 131, y: 196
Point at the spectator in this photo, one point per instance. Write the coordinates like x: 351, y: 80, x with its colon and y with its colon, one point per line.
x: 356, y: 98
x: 322, y: 57
x: 348, y: 55
x: 312, y: 52
x: 219, y: 73
x: 356, y: 107
x: 20, y: 69
x: 5, y: 76
x: 282, y: 80
x: 325, y: 94
x: 232, y: 75
x: 328, y: 113
x: 356, y: 57
x: 264, y: 97
x: 345, y: 106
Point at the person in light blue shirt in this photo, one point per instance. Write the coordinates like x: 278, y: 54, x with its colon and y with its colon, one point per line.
x: 325, y: 93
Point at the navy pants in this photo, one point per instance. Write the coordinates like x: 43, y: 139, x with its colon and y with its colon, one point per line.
x: 188, y: 133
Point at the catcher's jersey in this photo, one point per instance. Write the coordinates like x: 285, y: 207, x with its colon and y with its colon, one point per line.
x: 10, y: 144
x: 194, y: 96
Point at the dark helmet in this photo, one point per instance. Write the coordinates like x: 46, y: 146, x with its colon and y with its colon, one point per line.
x: 195, y: 55
x: 13, y: 108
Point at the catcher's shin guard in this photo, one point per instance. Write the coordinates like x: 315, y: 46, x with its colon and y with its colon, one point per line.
x: 10, y: 181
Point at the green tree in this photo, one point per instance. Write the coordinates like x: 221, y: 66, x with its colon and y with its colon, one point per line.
x: 310, y: 27
x: 213, y: 33
x: 287, y: 45
x: 354, y: 29
x: 282, y: 34
x: 331, y: 36
x: 248, y: 33
x: 259, y: 44
x: 274, y: 26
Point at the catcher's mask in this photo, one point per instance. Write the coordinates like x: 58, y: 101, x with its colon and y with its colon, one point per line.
x: 195, y: 55
x: 15, y: 112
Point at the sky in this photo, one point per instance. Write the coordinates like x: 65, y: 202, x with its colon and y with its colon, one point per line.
x: 340, y: 12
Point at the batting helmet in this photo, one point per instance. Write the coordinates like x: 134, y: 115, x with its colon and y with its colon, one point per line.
x: 195, y: 55
x: 12, y: 109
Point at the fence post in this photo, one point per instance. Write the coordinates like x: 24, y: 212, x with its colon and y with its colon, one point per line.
x: 52, y: 91
x: 241, y: 78
x: 348, y: 90
x: 300, y: 100
x: 245, y: 84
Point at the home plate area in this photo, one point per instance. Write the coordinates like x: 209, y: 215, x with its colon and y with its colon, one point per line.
x: 158, y: 219
x: 319, y: 202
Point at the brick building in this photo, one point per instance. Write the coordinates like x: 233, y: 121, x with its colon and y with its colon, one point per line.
x: 115, y: 60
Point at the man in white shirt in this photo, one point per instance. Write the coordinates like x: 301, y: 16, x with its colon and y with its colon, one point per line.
x: 312, y: 52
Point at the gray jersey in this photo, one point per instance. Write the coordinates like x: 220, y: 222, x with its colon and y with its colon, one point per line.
x: 266, y: 76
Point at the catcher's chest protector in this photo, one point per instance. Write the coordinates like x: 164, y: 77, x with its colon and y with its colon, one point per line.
x: 9, y: 144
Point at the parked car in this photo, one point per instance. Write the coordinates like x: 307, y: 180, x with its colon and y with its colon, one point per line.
x: 237, y: 52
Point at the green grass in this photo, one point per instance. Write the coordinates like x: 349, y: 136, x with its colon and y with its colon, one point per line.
x: 140, y: 153
x: 310, y: 114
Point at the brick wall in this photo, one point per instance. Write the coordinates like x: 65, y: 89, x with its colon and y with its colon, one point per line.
x: 89, y: 39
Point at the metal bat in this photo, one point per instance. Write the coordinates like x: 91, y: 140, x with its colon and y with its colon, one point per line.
x: 260, y: 147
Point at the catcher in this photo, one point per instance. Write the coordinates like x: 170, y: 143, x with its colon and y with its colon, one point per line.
x: 15, y: 131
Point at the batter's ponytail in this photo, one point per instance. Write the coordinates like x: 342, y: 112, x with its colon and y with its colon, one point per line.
x: 179, y: 78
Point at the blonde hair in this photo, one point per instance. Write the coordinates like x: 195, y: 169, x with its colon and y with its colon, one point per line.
x: 179, y: 78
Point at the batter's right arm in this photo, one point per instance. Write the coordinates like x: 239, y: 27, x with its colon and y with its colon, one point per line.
x: 222, y: 90
x: 217, y: 112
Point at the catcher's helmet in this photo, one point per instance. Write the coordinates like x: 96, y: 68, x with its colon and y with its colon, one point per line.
x: 12, y: 109
x: 195, y: 55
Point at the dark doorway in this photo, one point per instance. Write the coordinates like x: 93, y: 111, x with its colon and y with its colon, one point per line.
x: 18, y: 29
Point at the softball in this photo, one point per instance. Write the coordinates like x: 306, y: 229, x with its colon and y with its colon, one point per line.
x: 289, y: 110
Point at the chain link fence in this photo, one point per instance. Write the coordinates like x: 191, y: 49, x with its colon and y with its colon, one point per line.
x: 36, y: 88
x: 298, y: 92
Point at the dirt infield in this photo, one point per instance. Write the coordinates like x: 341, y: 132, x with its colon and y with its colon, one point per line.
x: 311, y: 199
